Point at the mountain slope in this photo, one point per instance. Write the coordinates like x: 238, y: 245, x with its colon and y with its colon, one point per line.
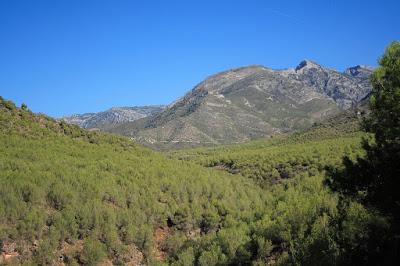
x: 251, y: 102
x: 269, y: 161
x: 69, y: 196
x: 113, y: 116
x: 88, y: 197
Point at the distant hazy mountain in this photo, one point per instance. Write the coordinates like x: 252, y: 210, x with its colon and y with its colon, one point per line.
x: 251, y: 102
x: 112, y: 116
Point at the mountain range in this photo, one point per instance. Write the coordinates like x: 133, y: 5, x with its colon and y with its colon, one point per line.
x: 112, y: 116
x: 242, y: 104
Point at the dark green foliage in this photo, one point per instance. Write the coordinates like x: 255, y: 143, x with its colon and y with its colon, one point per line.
x: 363, y: 235
x: 377, y: 174
x: 24, y: 107
x: 373, y: 179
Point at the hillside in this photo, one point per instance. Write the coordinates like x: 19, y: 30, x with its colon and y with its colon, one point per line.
x: 70, y: 196
x: 251, y: 102
x: 85, y: 196
x: 112, y: 116
x: 269, y: 161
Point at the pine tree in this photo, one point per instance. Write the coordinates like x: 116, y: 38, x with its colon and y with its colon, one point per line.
x: 374, y: 179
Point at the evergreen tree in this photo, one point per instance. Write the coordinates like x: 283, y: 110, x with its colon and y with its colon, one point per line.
x: 374, y: 179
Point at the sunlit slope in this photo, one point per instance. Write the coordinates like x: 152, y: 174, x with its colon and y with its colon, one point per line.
x: 252, y: 102
x: 59, y: 183
x: 70, y: 196
x: 271, y: 160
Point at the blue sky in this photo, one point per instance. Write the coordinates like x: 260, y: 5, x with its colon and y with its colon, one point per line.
x: 75, y: 56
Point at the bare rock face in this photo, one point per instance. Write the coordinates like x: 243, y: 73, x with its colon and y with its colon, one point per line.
x: 346, y: 89
x: 251, y: 102
x: 360, y: 71
x: 113, y: 116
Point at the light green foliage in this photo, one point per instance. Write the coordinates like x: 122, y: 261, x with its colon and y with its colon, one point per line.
x: 272, y: 160
x: 93, y: 252
x: 185, y: 258
x: 89, y: 185
x: 61, y: 184
x: 212, y: 257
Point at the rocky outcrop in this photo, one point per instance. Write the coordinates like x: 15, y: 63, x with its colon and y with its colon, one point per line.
x: 252, y: 102
x: 346, y: 89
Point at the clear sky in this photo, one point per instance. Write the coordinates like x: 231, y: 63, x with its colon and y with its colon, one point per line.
x: 74, y: 56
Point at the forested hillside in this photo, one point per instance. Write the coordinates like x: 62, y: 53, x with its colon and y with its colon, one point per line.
x: 70, y: 196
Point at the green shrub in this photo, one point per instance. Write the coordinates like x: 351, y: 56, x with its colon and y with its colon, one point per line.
x: 93, y: 252
x: 212, y: 257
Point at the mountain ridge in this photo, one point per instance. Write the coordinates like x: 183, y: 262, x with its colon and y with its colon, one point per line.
x: 112, y: 116
x: 249, y: 102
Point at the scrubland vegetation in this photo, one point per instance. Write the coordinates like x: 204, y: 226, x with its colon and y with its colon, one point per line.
x: 104, y: 196
x: 60, y: 183
x: 273, y: 160
x: 71, y: 196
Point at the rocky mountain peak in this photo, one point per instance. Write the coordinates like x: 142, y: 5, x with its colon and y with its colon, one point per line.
x: 361, y: 71
x: 307, y: 64
x: 251, y: 102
